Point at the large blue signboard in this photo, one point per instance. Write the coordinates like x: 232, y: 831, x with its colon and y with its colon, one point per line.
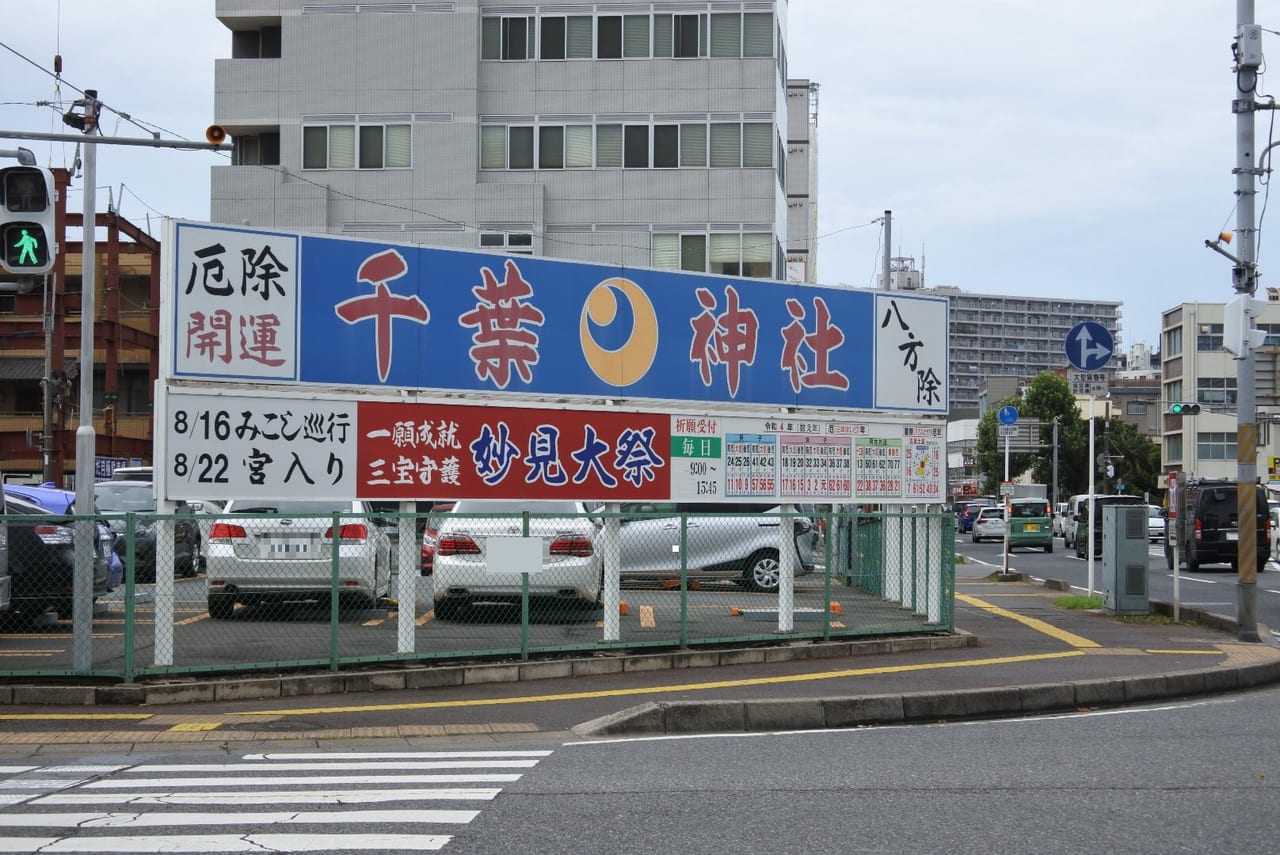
x: 274, y: 307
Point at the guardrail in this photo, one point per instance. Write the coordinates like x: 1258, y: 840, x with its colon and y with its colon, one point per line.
x: 342, y: 590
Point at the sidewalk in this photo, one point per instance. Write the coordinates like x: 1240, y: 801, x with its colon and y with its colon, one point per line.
x: 1014, y: 652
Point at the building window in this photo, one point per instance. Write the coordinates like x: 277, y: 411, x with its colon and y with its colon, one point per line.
x: 635, y: 36
x: 689, y: 145
x: 609, y: 37
x: 343, y: 146
x: 1209, y: 337
x: 679, y: 36
x: 1216, y: 390
x: 1272, y: 333
x: 749, y: 255
x: 1172, y: 342
x: 507, y: 38
x: 1215, y: 445
x: 635, y: 146
x: 514, y: 243
x: 1173, y: 448
x: 257, y: 149
x: 262, y: 43
x: 1135, y: 408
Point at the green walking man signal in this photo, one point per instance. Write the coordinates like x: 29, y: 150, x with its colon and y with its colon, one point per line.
x: 26, y: 219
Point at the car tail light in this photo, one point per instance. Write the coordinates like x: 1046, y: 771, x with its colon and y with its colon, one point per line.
x: 1198, y: 530
x: 457, y: 544
x: 226, y: 532
x: 572, y: 544
x: 53, y: 534
x: 349, y: 533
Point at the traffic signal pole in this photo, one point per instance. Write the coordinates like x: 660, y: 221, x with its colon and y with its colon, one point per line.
x: 1244, y: 82
x: 86, y: 441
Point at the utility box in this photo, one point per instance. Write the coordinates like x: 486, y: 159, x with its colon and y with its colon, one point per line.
x: 1124, y: 559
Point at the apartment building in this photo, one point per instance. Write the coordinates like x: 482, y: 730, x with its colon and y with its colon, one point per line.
x: 1196, y: 369
x: 649, y: 134
x: 994, y: 336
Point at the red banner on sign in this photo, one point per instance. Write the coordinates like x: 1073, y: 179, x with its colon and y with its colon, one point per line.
x: 443, y: 451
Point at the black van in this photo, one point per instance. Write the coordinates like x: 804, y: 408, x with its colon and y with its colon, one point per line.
x: 1082, y: 520
x: 1212, y: 531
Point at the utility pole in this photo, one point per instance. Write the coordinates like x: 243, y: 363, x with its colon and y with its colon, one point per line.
x: 888, y: 237
x: 1244, y: 278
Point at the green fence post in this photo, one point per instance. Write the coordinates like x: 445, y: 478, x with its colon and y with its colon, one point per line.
x: 524, y: 595
x: 684, y: 580
x: 129, y: 628
x: 335, y: 538
x: 826, y: 582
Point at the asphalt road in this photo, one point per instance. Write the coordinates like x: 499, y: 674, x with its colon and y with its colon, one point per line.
x: 1212, y: 588
x: 1199, y: 776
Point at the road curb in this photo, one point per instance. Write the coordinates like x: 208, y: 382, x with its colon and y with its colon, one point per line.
x: 684, y: 717
x: 259, y: 687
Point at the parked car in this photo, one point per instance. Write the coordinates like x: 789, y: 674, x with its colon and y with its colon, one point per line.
x: 728, y: 541
x: 133, y: 473
x: 6, y: 585
x: 281, y: 550
x: 1030, y: 523
x: 1274, y: 514
x: 1082, y: 521
x: 430, y: 526
x: 41, y: 558
x: 571, y: 566
x: 116, y: 498
x: 1211, y: 531
x: 988, y: 524
x: 63, y: 502
x: 1155, y: 523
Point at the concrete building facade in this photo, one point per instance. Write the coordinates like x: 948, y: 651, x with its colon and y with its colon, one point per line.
x: 647, y: 134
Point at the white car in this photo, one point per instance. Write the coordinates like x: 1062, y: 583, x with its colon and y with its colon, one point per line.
x: 281, y: 550
x: 571, y: 566
x: 1155, y: 523
x: 988, y: 525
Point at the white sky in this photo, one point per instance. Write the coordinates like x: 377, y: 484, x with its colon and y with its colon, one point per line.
x: 1079, y: 149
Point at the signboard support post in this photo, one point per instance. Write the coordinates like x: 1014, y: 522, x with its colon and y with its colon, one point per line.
x: 1093, y: 469
x: 163, y: 653
x: 786, y: 569
x: 406, y: 572
x: 612, y: 572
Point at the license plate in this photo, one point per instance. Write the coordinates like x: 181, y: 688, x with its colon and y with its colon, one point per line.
x: 285, y: 548
x: 1031, y: 527
x: 1233, y: 535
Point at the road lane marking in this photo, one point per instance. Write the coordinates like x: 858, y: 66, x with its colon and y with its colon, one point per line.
x: 1034, y: 623
x: 679, y: 687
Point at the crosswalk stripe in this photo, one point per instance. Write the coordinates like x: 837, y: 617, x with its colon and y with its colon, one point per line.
x: 325, y: 780
x: 269, y: 797
x: 229, y: 843
x: 398, y: 755
x: 333, y: 766
x: 124, y: 819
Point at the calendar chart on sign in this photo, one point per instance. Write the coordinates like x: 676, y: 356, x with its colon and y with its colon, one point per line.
x: 816, y: 467
x: 751, y: 464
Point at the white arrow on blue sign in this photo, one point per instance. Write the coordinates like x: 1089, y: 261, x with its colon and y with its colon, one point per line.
x: 1089, y: 346
x: 1008, y: 415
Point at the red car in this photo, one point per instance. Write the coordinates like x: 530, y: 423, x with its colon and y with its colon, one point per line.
x: 434, y: 517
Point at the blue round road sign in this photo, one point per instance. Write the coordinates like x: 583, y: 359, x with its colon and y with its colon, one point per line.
x: 1089, y: 346
x: 1008, y: 415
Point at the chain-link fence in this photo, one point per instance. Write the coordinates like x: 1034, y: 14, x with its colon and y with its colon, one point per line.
x: 279, y: 589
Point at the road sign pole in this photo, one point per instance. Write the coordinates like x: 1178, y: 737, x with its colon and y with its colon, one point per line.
x: 1006, y: 505
x: 1093, y: 468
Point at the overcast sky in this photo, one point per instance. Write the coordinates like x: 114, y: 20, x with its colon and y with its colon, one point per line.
x: 1079, y: 149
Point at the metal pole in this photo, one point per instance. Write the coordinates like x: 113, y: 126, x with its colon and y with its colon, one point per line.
x: 85, y: 530
x: 46, y: 430
x: 888, y: 237
x: 1243, y: 85
x: 1005, y: 567
x: 1053, y: 496
x: 1093, y: 468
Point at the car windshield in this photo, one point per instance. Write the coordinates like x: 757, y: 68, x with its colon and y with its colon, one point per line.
x: 991, y: 514
x: 121, y: 497
x: 1029, y: 509
x: 1153, y: 512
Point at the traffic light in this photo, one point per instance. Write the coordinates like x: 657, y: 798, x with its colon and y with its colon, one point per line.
x: 1180, y: 408
x: 26, y: 219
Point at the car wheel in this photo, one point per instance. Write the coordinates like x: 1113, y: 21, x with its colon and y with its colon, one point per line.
x: 1168, y: 558
x: 763, y: 570
x: 1049, y: 546
x: 221, y: 606
x: 447, y: 608
x: 1193, y: 564
x: 977, y: 539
